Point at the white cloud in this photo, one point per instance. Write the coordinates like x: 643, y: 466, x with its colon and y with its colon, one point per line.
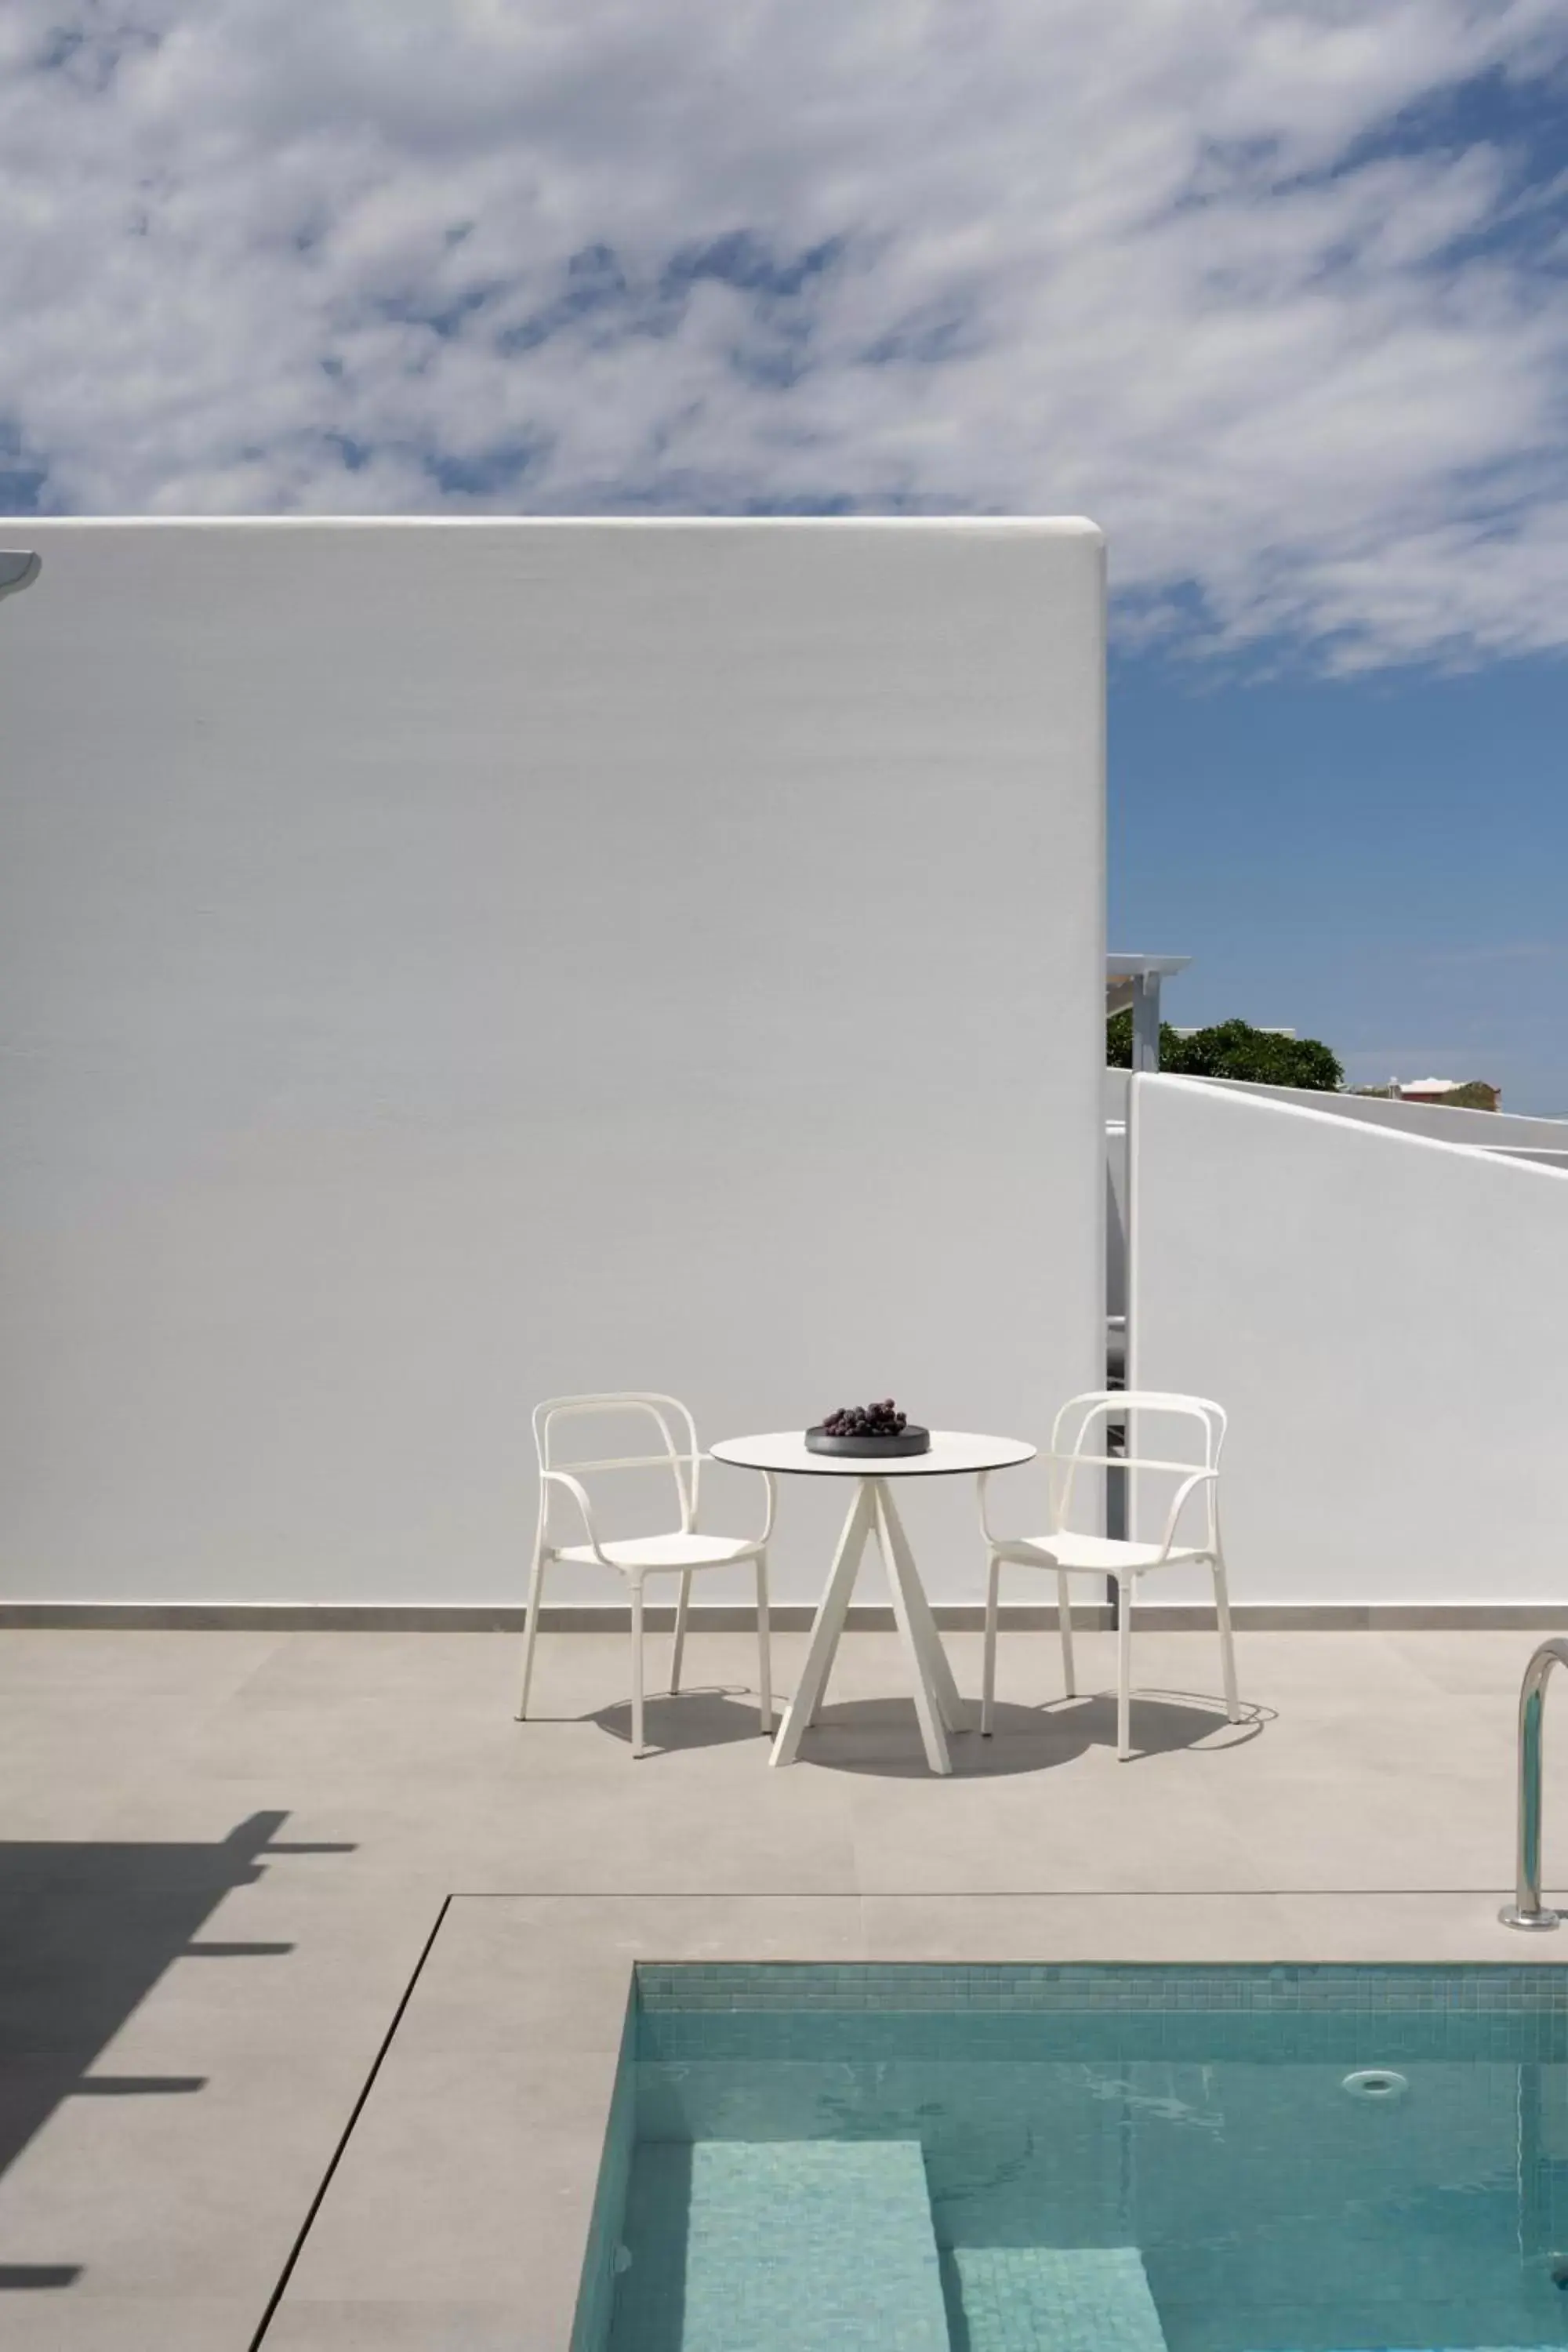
x: 1185, y: 265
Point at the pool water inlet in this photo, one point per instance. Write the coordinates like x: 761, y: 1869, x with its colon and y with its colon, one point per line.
x: 1375, y: 2082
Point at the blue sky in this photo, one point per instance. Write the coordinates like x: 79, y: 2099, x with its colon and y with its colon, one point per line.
x: 1271, y: 289
x: 1377, y: 861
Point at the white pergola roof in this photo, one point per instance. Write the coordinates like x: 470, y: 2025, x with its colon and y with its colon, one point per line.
x: 1122, y: 973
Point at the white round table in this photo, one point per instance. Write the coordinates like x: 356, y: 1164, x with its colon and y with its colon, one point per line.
x: 953, y: 1453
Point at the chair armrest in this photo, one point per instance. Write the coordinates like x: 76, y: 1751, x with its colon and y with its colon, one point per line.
x: 1179, y: 1501
x: 770, y: 1492
x: 986, y: 1529
x: 579, y: 1495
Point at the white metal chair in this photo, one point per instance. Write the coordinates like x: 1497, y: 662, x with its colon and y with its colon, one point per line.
x: 1070, y: 1552
x: 680, y: 1551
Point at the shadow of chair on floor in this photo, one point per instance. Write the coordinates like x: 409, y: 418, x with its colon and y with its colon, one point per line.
x: 717, y: 1715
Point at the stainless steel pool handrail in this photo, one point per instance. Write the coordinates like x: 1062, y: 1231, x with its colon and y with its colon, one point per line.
x: 1526, y: 1910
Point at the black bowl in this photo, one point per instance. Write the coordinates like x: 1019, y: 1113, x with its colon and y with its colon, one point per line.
x: 912, y: 1440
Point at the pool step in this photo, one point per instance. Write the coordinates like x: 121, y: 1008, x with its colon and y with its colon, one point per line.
x: 780, y: 2246
x: 1054, y: 2299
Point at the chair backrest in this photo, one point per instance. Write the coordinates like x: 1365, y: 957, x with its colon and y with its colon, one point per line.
x: 677, y: 1450
x: 1080, y: 1441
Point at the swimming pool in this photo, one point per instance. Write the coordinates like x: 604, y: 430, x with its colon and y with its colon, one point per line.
x: 880, y: 2158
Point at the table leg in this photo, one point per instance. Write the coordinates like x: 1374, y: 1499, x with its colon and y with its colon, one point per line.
x: 955, y: 1711
x: 908, y: 1600
x: 828, y: 1624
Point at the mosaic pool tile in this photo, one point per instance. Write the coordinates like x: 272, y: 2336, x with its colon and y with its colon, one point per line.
x: 782, y: 2247
x: 1195, y: 2121
x: 910, y: 1988
x: 1055, y: 2299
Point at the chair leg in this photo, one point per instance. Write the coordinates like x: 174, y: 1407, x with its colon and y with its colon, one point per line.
x: 678, y: 1650
x: 764, y: 1649
x: 1124, y: 1590
x: 638, y: 1748
x: 535, y: 1601
x: 1064, y: 1621
x: 1227, y: 1640
x: 988, y: 1671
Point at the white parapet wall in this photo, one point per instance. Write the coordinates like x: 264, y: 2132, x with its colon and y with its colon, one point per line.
x: 1382, y: 1313
x: 1484, y: 1131
x: 448, y: 963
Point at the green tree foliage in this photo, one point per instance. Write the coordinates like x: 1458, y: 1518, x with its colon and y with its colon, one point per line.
x: 1232, y: 1049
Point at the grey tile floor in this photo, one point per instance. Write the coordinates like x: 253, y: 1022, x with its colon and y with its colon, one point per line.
x: 224, y: 1855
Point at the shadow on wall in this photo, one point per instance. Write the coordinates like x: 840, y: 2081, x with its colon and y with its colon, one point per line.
x: 89, y: 1931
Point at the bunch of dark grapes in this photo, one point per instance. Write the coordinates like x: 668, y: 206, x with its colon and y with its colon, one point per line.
x: 882, y: 1420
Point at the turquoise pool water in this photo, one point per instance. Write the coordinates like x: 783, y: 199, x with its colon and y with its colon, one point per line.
x: 1085, y: 2159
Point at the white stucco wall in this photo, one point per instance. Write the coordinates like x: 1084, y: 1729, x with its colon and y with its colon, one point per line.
x: 448, y: 963
x: 1382, y: 1314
